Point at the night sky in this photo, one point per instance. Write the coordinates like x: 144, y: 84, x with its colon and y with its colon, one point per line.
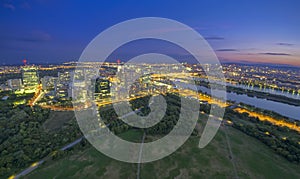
x: 53, y: 31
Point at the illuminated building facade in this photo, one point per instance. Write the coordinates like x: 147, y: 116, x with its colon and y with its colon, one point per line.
x: 30, y: 78
x: 14, y: 84
x: 63, y: 87
x: 48, y: 83
x: 102, y: 89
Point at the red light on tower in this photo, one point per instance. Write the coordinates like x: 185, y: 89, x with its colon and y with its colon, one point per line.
x: 118, y: 61
x: 24, y: 61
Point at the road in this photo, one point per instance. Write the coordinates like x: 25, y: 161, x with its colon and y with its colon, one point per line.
x: 37, y: 96
x: 268, y: 118
x: 230, y: 153
x: 70, y: 145
x: 140, y: 157
x: 37, y: 164
x: 28, y: 170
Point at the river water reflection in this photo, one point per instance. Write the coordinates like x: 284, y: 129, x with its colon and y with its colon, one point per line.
x: 281, y: 108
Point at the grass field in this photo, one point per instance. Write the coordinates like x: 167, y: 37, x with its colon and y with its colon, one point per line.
x: 132, y: 135
x: 57, y: 119
x: 251, y: 158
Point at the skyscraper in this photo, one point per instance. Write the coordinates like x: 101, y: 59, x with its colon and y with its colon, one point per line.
x: 63, y: 87
x: 102, y: 89
x: 30, y: 78
x: 48, y: 83
x: 14, y: 84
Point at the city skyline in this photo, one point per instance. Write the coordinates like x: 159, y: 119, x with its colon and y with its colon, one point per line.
x: 149, y: 89
x: 241, y: 32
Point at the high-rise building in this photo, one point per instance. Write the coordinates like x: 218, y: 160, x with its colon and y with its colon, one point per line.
x: 48, y: 83
x: 102, y: 89
x: 14, y: 84
x: 30, y: 78
x: 63, y: 85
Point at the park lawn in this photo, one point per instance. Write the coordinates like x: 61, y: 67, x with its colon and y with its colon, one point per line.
x: 84, y: 164
x: 256, y: 160
x: 57, y: 119
x: 89, y: 164
x: 252, y: 159
x: 132, y: 135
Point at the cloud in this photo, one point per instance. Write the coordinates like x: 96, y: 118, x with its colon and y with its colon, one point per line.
x: 168, y: 30
x: 227, y: 50
x: 36, y: 36
x: 275, y: 54
x: 285, y: 44
x: 9, y: 6
x: 214, y: 38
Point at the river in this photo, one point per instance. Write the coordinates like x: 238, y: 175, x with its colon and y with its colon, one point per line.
x: 281, y: 108
x: 266, y: 90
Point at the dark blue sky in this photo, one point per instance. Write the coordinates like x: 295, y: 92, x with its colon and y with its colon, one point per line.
x: 57, y: 31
